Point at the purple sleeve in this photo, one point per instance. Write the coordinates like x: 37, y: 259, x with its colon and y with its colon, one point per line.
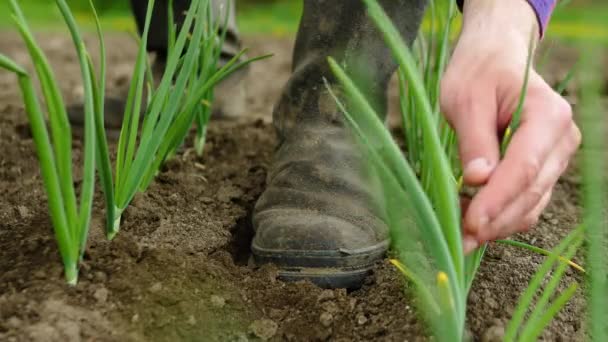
x: 543, y: 9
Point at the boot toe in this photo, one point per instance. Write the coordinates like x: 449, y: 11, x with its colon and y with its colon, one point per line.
x: 330, y: 251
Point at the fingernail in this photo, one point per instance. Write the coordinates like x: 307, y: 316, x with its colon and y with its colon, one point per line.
x: 477, y: 166
x: 469, y: 244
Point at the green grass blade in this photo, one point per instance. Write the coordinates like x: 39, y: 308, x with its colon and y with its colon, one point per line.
x: 369, y: 124
x: 395, y: 194
x: 149, y: 144
x: 172, y: 32
x: 58, y: 120
x: 88, y: 174
x: 128, y: 134
x: 472, y: 263
x: 67, y: 249
x: 446, y: 201
x: 51, y: 180
x: 164, y: 89
x: 183, y: 121
x: 516, y: 118
x: 430, y: 46
x: 103, y: 162
x: 102, y: 55
x: 102, y: 155
x: 563, y: 84
x: 10, y: 65
x: 408, y: 122
x: 527, y: 297
x: 86, y: 197
x: 551, y: 312
x: 537, y: 314
x: 541, y: 251
x: 443, y: 53
x: 422, y: 287
x: 594, y: 128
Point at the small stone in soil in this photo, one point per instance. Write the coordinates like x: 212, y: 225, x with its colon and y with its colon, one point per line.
x: 100, y: 277
x: 191, y: 320
x: 264, y: 328
x: 326, y: 319
x: 40, y: 274
x: 71, y: 330
x: 361, y: 319
x: 217, y: 301
x: 43, y: 332
x: 326, y: 295
x: 240, y: 338
x: 24, y: 212
x: 13, y: 322
x: 275, y: 314
x: 495, y: 333
x: 101, y: 295
x: 156, y: 288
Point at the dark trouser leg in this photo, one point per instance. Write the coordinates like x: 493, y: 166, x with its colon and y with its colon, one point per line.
x: 157, y: 39
x: 321, y: 217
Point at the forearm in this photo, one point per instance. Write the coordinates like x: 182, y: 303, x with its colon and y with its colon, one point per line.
x: 542, y: 8
x: 498, y: 25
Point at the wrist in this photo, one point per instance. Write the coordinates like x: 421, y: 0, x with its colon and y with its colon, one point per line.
x: 508, y: 21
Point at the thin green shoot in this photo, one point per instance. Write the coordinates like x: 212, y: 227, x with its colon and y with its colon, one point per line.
x: 190, y: 74
x: 396, y: 174
x: 561, y: 87
x: 534, y: 325
x: 516, y: 117
x: 70, y: 218
x: 569, y: 244
x: 541, y: 251
x: 594, y: 128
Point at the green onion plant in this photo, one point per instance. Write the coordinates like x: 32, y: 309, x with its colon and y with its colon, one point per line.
x: 182, y: 96
x: 70, y: 216
x: 528, y: 326
x: 421, y: 189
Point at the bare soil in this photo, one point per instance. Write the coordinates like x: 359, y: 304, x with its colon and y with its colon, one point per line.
x: 180, y: 270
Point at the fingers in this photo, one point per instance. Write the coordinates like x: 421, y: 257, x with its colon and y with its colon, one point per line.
x: 538, y: 154
x: 467, y: 112
x: 518, y: 217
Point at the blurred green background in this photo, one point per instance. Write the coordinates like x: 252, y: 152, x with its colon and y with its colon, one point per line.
x: 280, y: 17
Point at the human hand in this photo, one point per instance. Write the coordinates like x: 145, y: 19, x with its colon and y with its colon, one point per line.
x: 479, y: 93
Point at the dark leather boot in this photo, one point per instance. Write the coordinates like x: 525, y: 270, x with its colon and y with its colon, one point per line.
x: 321, y: 216
x: 230, y: 95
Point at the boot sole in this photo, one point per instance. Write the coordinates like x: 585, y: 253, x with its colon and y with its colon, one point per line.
x: 326, y: 269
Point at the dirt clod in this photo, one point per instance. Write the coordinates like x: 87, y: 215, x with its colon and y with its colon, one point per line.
x: 264, y: 328
x: 101, y: 295
x: 361, y: 319
x: 217, y: 301
x: 326, y: 319
x: 495, y: 333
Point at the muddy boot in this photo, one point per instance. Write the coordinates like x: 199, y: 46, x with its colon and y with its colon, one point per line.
x: 321, y: 216
x: 230, y: 95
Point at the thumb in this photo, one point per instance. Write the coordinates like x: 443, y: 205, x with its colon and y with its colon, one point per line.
x: 476, y: 127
